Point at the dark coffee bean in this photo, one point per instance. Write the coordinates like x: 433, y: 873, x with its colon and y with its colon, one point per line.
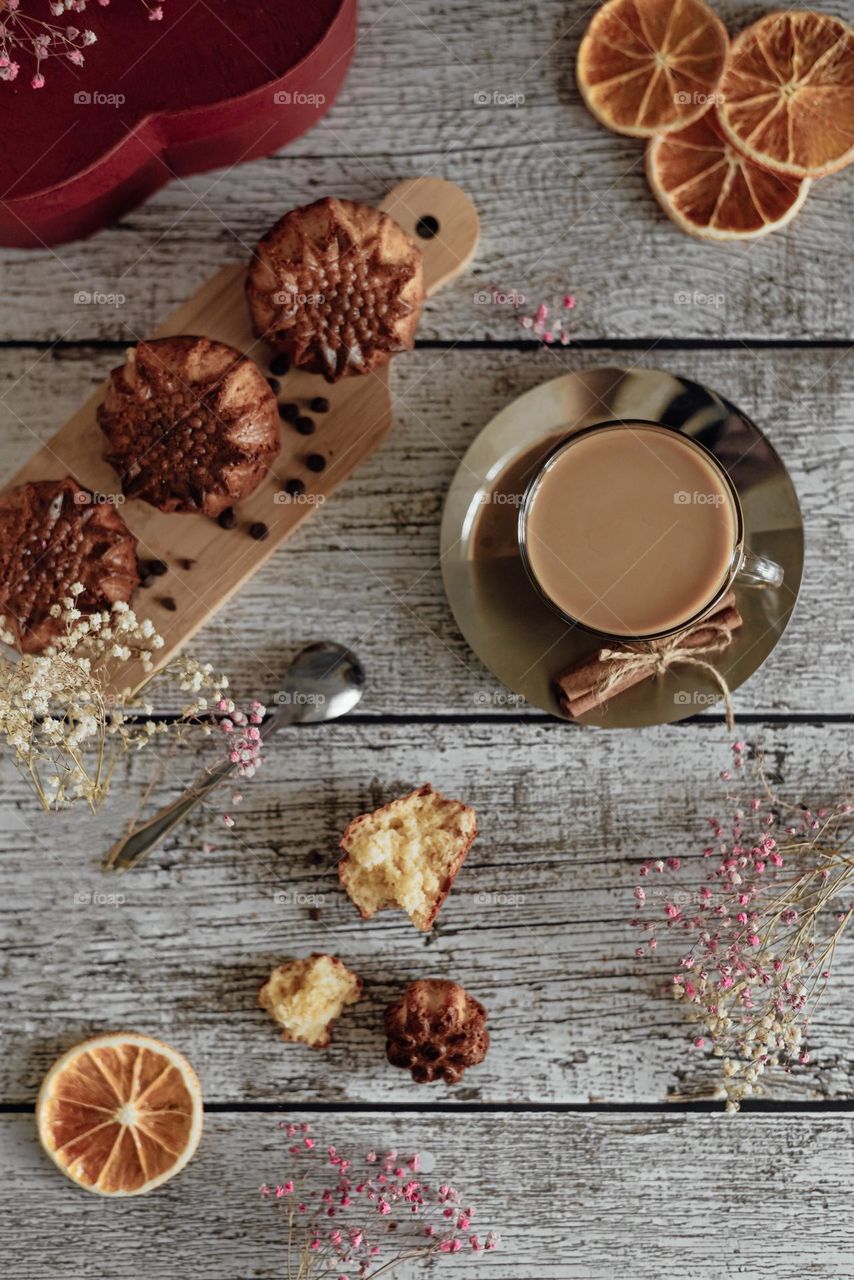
x: 227, y: 519
x: 185, y: 563
x: 290, y: 412
x: 280, y: 365
x: 157, y: 568
x: 305, y: 426
x: 315, y: 462
x: 258, y: 531
x: 294, y: 488
x: 314, y: 913
x: 319, y: 405
x: 147, y: 581
x: 275, y: 385
x: 168, y: 603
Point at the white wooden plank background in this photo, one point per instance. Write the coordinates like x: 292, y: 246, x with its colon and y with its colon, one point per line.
x: 565, y: 819
x: 622, y: 1184
x: 580, y: 1197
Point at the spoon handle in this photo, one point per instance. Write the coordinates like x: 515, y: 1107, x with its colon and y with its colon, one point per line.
x: 131, y: 849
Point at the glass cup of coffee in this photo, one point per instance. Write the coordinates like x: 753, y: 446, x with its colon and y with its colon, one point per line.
x: 634, y: 531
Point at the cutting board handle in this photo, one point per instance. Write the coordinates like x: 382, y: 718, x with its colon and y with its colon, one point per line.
x: 442, y: 220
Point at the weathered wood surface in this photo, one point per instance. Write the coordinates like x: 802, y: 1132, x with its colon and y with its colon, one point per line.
x: 576, y: 1197
x: 536, y: 926
x: 365, y: 568
x: 565, y: 204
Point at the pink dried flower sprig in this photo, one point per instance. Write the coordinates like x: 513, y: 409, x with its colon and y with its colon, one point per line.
x: 548, y: 326
x: 22, y: 35
x: 244, y: 736
x: 245, y: 745
x: 760, y: 933
x: 353, y: 1223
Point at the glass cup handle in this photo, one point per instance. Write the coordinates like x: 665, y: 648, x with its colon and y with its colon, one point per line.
x: 757, y: 571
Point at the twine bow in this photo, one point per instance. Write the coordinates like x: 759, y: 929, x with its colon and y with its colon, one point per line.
x: 657, y: 659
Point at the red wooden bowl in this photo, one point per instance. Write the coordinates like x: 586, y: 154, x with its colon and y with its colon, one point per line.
x: 209, y: 85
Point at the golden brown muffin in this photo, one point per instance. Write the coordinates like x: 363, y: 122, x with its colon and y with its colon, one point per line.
x: 435, y: 1031
x: 191, y: 424
x: 306, y: 996
x: 53, y: 534
x: 407, y: 854
x: 337, y: 287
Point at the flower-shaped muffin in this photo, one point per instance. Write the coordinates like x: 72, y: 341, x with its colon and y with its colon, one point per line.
x: 191, y: 424
x: 306, y: 996
x: 337, y: 287
x: 54, y: 534
x: 436, y: 1030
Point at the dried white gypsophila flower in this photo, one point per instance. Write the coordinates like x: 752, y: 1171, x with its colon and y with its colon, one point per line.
x: 64, y: 724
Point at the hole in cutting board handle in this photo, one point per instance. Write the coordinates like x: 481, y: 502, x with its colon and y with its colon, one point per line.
x: 427, y: 227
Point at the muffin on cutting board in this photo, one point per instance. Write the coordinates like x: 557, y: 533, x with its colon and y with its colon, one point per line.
x: 337, y: 287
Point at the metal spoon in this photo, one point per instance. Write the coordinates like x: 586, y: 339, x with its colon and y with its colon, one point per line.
x: 323, y: 682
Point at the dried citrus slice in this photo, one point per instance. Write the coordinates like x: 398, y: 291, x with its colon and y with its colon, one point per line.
x: 120, y: 1114
x: 647, y: 66
x: 712, y: 191
x: 787, y: 95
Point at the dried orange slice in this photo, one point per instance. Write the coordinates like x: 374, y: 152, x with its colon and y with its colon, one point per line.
x: 712, y: 191
x: 647, y: 66
x: 120, y: 1114
x: 787, y: 95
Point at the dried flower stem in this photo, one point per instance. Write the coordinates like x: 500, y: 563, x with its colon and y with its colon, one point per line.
x: 760, y: 948
x: 340, y: 1225
x: 22, y: 35
x: 67, y: 730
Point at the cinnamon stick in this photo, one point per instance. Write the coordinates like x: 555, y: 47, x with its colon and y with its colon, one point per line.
x: 581, y: 687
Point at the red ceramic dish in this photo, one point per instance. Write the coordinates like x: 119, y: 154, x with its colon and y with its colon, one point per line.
x: 210, y: 85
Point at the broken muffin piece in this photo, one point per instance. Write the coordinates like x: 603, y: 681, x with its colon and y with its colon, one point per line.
x: 306, y: 996
x: 435, y: 1031
x: 407, y: 854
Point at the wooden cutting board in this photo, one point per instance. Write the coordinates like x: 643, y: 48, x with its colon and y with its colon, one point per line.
x: 359, y: 417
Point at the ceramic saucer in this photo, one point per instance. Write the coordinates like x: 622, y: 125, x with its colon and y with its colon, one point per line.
x: 514, y: 633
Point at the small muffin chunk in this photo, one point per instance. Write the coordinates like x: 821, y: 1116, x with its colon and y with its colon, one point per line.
x: 53, y: 534
x: 407, y: 855
x: 337, y: 287
x: 436, y: 1030
x: 306, y: 996
x: 191, y: 424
